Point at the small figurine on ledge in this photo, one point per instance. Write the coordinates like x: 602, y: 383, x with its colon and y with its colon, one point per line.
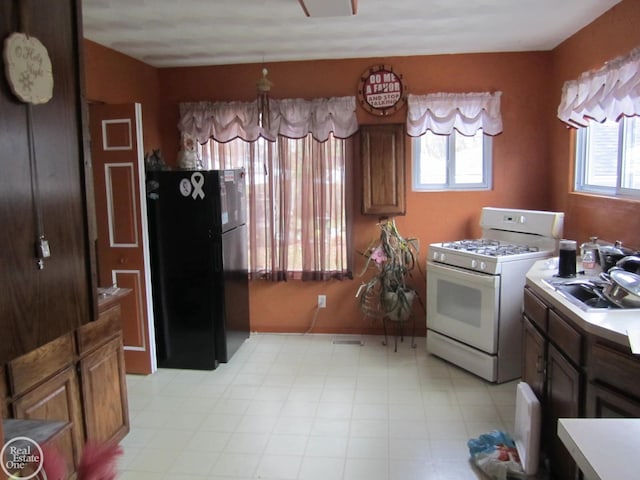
x: 188, y: 156
x: 154, y: 161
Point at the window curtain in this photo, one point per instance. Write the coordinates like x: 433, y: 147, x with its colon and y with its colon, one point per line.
x: 292, y: 118
x: 298, y: 196
x: 442, y: 113
x: 604, y: 94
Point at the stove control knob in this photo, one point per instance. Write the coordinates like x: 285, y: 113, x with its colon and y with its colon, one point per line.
x: 474, y: 264
x: 483, y: 266
x: 442, y: 257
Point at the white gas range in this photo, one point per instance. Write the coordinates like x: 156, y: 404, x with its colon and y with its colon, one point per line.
x: 474, y: 290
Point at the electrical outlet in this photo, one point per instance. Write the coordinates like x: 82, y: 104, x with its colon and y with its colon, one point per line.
x: 322, y: 301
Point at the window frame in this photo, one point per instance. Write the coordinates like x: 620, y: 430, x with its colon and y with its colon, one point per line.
x: 487, y: 167
x: 580, y: 184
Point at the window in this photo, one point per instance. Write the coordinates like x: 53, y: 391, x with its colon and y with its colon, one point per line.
x: 297, y: 204
x: 608, y: 158
x: 452, y: 162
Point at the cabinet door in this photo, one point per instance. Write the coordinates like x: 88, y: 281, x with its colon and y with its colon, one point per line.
x: 603, y: 402
x: 533, y: 358
x: 615, y: 366
x: 383, y: 182
x: 104, y: 392
x: 563, y: 401
x: 57, y: 399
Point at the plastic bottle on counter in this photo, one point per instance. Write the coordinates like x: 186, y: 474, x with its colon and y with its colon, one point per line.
x: 589, y: 251
x: 589, y: 263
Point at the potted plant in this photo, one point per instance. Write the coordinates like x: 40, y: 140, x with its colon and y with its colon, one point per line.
x: 391, y: 258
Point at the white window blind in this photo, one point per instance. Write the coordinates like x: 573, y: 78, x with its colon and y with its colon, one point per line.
x: 291, y: 118
x: 442, y: 113
x: 604, y: 94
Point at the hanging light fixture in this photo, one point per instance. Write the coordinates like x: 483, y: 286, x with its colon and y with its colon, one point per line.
x: 264, y: 87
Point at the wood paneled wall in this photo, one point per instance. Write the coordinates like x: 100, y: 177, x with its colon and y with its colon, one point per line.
x: 38, y: 305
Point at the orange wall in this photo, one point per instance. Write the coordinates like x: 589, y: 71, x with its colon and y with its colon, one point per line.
x: 520, y: 158
x: 614, y: 33
x: 531, y: 156
x: 111, y: 77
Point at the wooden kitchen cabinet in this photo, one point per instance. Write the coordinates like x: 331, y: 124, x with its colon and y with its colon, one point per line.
x: 605, y: 402
x: 44, y: 386
x: 383, y: 169
x: 613, y: 390
x: 57, y: 399
x: 77, y: 380
x: 534, y: 354
x: 104, y: 393
x: 563, y: 400
x: 584, y: 375
x: 103, y: 379
x: 552, y: 358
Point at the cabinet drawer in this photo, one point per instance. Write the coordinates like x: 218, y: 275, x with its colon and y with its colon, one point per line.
x: 616, y: 368
x: 535, y: 310
x: 29, y: 370
x: 568, y: 339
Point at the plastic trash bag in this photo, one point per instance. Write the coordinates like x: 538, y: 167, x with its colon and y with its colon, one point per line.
x: 496, y: 455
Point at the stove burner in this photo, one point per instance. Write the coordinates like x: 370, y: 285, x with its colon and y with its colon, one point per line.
x: 492, y: 248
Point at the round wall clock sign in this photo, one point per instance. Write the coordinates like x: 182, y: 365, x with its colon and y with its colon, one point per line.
x: 28, y: 68
x: 381, y: 91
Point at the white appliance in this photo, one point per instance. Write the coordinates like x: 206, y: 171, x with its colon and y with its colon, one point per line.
x: 474, y: 290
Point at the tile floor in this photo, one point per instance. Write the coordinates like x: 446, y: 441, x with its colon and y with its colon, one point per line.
x: 303, y: 407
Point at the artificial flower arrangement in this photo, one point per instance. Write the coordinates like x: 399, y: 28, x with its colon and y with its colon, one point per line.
x: 97, y: 462
x: 391, y: 258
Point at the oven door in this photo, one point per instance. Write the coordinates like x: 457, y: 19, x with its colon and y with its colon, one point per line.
x: 464, y: 305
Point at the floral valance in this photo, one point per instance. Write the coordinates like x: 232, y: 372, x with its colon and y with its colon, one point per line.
x: 465, y: 112
x: 293, y: 118
x: 604, y: 94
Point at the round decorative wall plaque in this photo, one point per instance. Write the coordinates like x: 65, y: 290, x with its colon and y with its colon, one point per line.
x: 381, y: 91
x: 28, y: 68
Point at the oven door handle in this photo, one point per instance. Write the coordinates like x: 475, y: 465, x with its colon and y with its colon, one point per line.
x: 461, y: 273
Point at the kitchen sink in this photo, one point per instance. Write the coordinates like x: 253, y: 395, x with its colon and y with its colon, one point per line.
x: 580, y: 292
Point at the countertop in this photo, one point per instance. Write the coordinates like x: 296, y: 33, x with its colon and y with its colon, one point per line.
x: 612, y: 324
x: 603, y: 448
x: 107, y: 297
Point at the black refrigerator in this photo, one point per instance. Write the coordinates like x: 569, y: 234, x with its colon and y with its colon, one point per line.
x: 199, y: 271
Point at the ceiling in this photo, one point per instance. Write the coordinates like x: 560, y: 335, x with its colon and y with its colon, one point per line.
x: 170, y: 33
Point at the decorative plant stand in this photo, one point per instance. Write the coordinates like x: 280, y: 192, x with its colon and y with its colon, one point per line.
x: 370, y: 304
x: 399, y: 331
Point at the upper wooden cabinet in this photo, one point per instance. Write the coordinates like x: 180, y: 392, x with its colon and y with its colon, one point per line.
x: 383, y: 183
